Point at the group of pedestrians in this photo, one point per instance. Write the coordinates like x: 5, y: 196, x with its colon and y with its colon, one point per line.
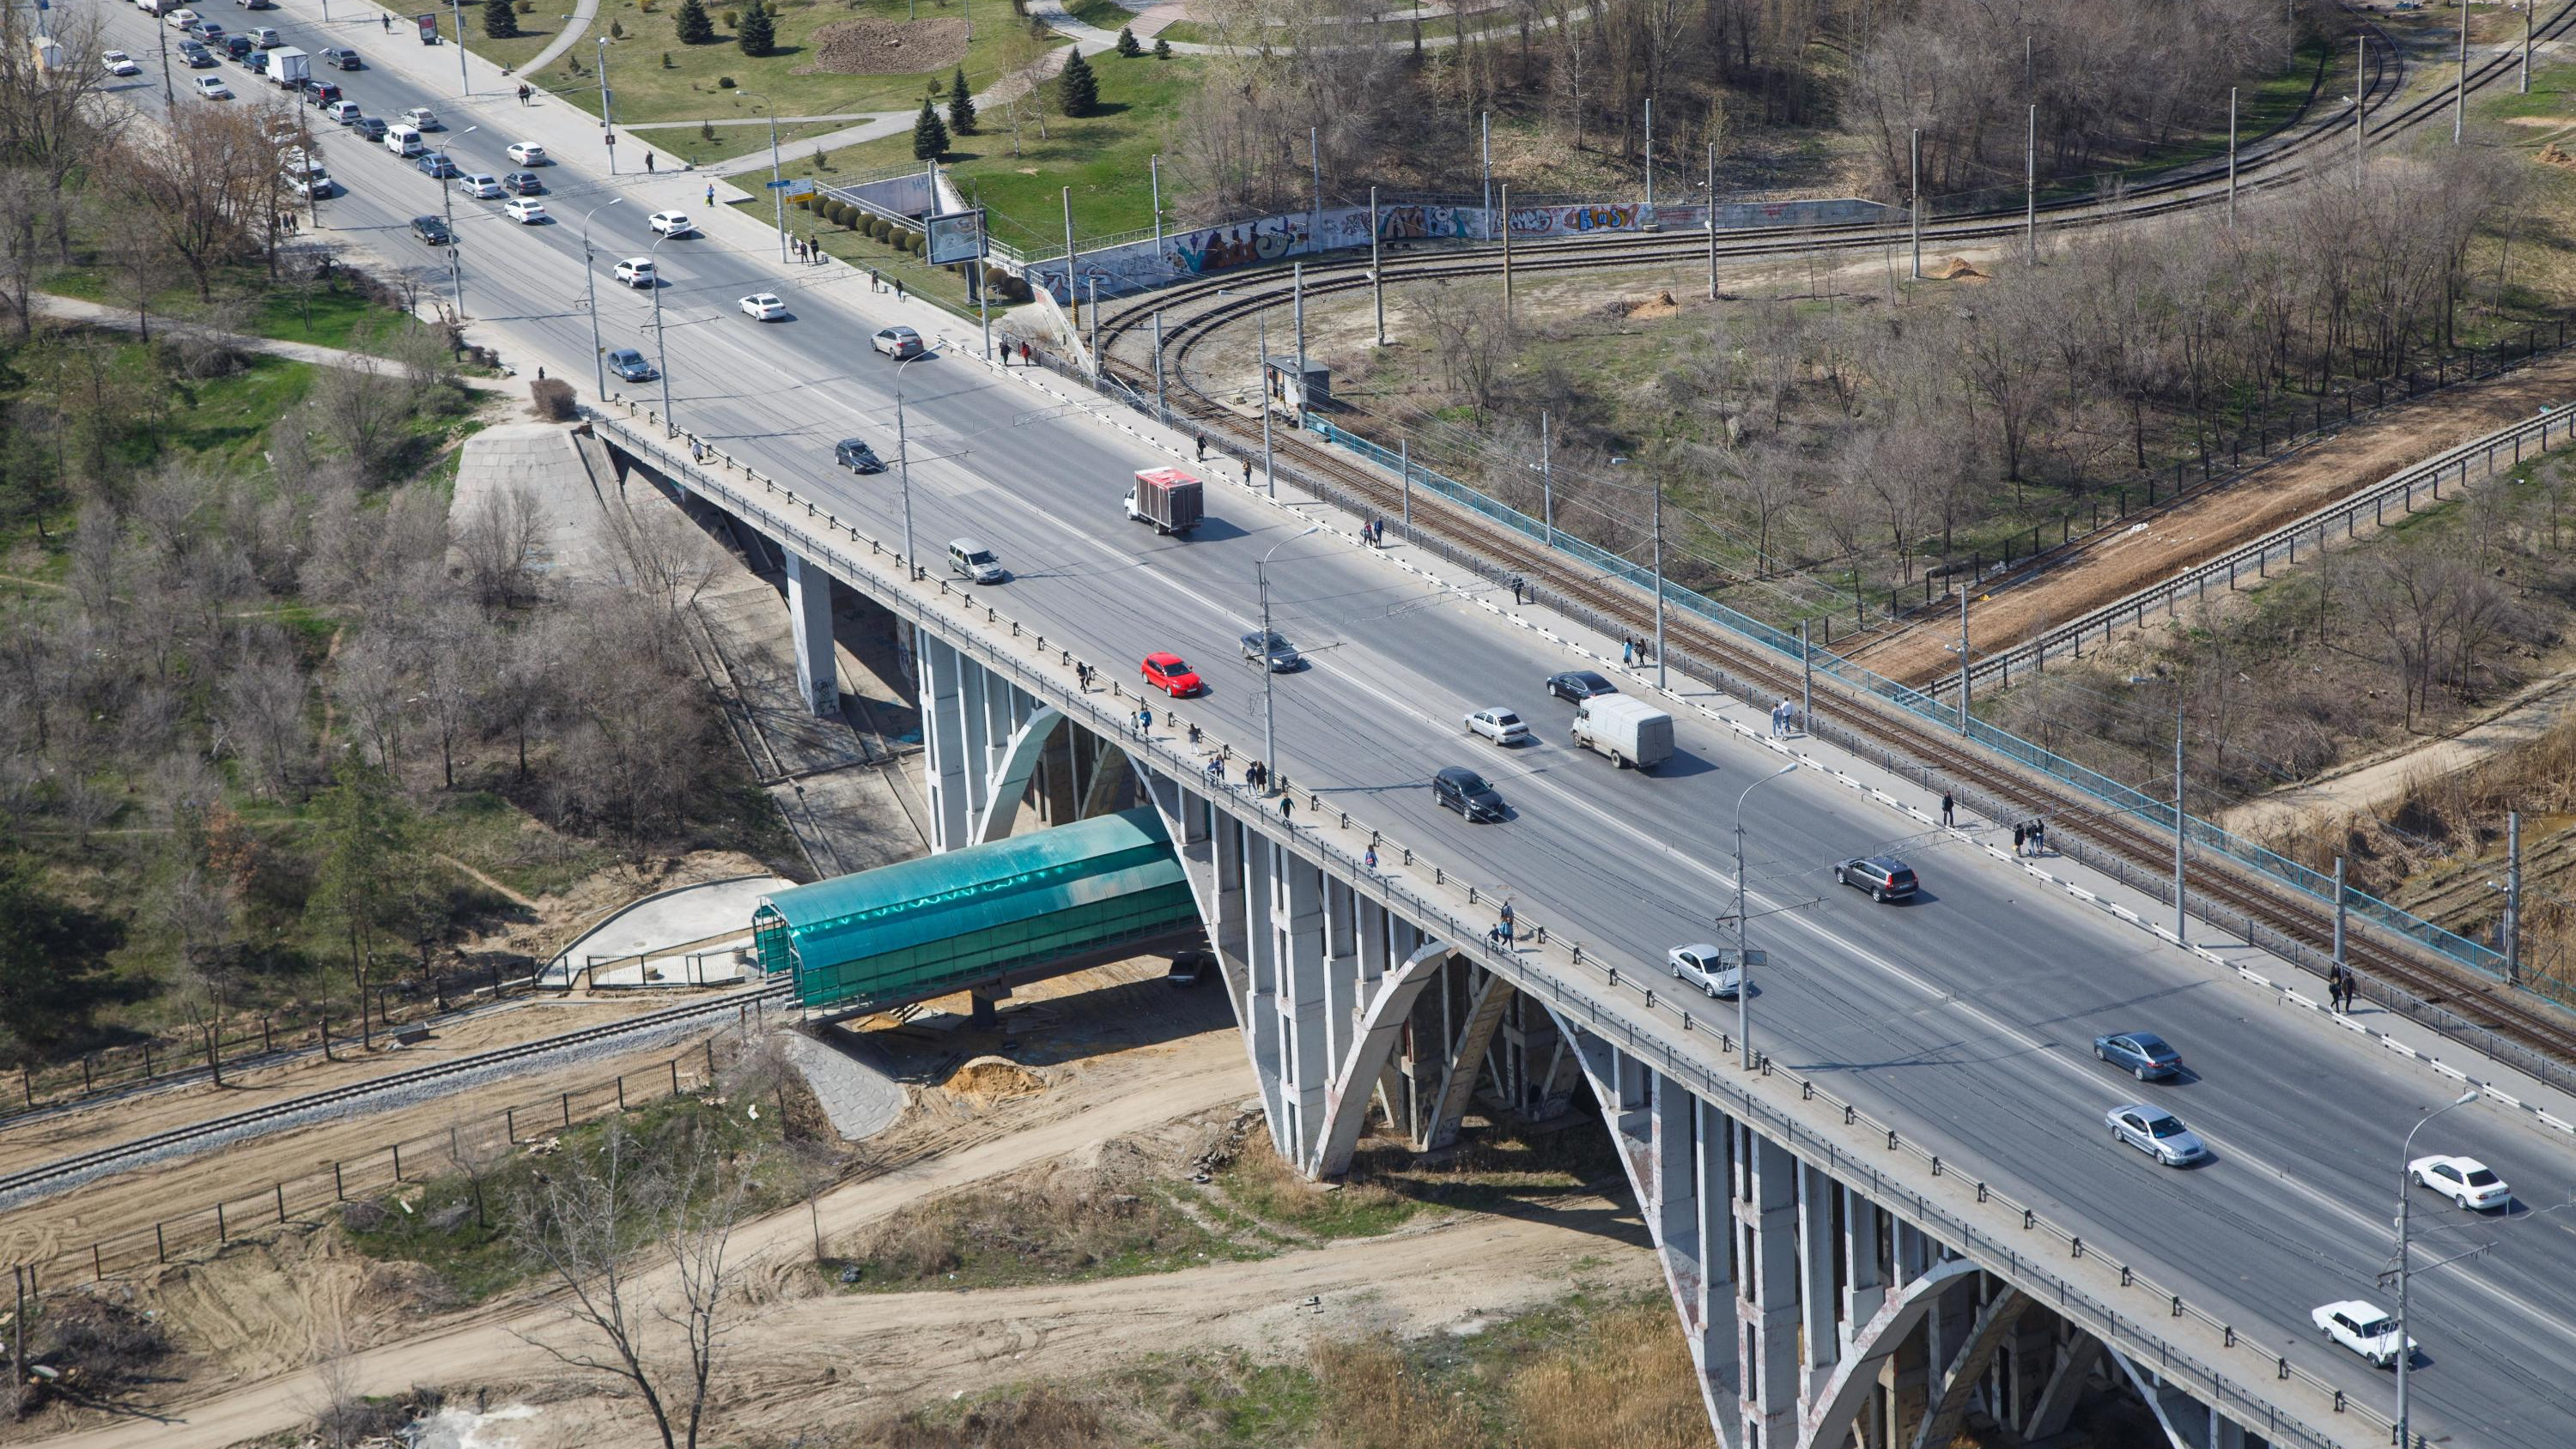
x: 2339, y: 989
x: 1373, y: 533
x: 810, y: 253
x: 1142, y: 721
x: 1784, y: 720
x: 1634, y: 651
x: 2030, y: 838
x: 1504, y: 927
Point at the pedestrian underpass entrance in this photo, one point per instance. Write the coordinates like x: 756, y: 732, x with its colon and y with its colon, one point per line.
x: 1018, y: 909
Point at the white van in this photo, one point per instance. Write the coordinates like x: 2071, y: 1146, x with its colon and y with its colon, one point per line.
x: 404, y: 141
x: 976, y: 562
x: 148, y: 7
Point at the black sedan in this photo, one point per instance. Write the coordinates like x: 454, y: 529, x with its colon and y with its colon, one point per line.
x: 855, y: 455
x: 523, y: 183
x: 2142, y: 1054
x: 1577, y: 685
x: 433, y: 230
x: 1466, y: 792
x: 1283, y: 656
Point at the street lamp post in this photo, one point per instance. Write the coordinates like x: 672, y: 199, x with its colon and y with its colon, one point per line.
x: 590, y: 280
x: 661, y: 353
x: 1744, y: 964
x: 1269, y: 717
x: 2405, y: 1229
x: 903, y: 464
x: 455, y: 256
x: 777, y: 192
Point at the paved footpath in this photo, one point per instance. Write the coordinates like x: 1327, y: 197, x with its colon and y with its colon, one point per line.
x: 98, y: 314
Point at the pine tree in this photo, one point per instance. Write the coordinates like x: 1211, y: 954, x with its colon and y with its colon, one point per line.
x: 1127, y: 45
x: 929, y: 136
x: 1162, y: 48
x: 694, y: 26
x: 756, y: 35
x: 500, y: 20
x: 961, y: 105
x: 1077, y: 87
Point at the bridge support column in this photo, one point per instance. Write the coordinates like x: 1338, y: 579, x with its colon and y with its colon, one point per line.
x: 946, y: 759
x: 1297, y: 933
x: 1766, y: 1208
x: 809, y: 620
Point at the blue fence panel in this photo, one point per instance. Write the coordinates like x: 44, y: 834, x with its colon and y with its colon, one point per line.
x: 2112, y: 793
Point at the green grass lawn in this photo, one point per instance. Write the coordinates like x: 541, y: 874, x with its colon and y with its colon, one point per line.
x: 330, y: 315
x: 1105, y: 158
x: 537, y: 30
x: 693, y: 145
x: 656, y: 78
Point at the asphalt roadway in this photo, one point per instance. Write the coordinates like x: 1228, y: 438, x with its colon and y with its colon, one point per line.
x: 1966, y: 1017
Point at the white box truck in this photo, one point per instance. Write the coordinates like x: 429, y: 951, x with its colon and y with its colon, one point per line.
x: 1626, y: 728
x: 289, y: 67
x: 1167, y: 498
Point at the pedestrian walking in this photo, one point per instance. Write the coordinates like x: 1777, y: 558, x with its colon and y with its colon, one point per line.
x: 1202, y: 447
x: 1368, y: 860
x: 898, y: 289
x: 1194, y: 736
x: 1510, y: 920
x: 1216, y: 769
x: 2020, y: 833
x: 1949, y: 808
x: 2039, y: 832
x: 1287, y: 809
x: 648, y: 162
x: 1247, y: 472
x: 1628, y: 655
x: 711, y: 193
x: 1145, y: 720
x: 385, y: 22
x: 541, y: 372
x: 1024, y: 361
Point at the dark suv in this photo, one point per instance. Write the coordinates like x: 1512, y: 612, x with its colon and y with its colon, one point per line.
x: 194, y: 52
x: 1466, y: 792
x: 433, y: 230
x: 320, y: 93
x: 1884, y: 876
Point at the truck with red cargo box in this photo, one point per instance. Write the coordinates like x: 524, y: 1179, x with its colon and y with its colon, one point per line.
x: 1167, y: 498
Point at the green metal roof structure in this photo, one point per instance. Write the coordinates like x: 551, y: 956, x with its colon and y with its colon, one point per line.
x: 943, y: 923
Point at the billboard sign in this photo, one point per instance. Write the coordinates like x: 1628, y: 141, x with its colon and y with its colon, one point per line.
x: 956, y: 237
x: 428, y: 27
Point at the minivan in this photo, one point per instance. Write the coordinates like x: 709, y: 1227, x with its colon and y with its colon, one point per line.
x: 266, y: 38
x: 975, y: 561
x: 404, y: 141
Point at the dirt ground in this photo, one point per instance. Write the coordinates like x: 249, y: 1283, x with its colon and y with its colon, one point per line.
x: 124, y: 1119
x: 886, y: 47
x: 2174, y: 540
x: 1086, y: 1062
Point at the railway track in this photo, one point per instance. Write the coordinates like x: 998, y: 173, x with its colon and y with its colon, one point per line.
x: 14, y: 1187
x: 2466, y: 1004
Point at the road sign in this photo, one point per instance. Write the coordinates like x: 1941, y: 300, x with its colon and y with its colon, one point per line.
x: 956, y: 237
x: 776, y: 185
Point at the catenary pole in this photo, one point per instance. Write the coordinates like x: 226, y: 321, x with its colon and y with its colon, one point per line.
x: 607, y: 115
x: 1650, y: 155
x: 2460, y: 90
x: 1712, y: 221
x: 1072, y: 289
x: 1915, y: 208
x: 1659, y: 586
x: 1507, y: 254
x: 1743, y: 961
x: 1546, y: 479
x: 1377, y: 269
x: 1963, y: 645
x: 2030, y: 185
x: 1489, y: 168
x: 2338, y: 916
x: 2182, y: 822
x: 2513, y: 898
x: 1806, y: 680
x: 1157, y: 164
x: 1297, y: 282
x: 1162, y: 413
x: 1269, y: 474
x: 2231, y: 157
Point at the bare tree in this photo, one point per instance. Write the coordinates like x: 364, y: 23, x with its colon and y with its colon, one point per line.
x: 583, y: 1222
x: 658, y: 553
x: 503, y: 536
x: 263, y: 702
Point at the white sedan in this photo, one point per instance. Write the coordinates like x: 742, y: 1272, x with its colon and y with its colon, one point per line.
x: 529, y: 153
x: 1500, y: 725
x: 1707, y: 968
x: 671, y: 223
x: 2362, y: 1328
x: 764, y: 307
x: 2464, y: 1180
x: 119, y: 63
x: 525, y: 212
x: 181, y: 19
x: 212, y: 87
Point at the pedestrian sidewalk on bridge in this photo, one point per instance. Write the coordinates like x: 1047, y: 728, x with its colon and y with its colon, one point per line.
x: 647, y: 938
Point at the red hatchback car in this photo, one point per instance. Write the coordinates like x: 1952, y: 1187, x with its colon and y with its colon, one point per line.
x: 1167, y: 673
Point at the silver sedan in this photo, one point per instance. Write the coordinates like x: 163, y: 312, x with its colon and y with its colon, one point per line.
x: 2157, y: 1133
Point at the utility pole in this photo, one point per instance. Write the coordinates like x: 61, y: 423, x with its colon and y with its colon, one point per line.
x: 1162, y: 413
x: 1915, y: 207
x: 1659, y: 586
x: 1404, y: 464
x: 1712, y: 221
x: 1071, y: 287
x: 2360, y: 113
x: 2513, y: 898
x: 1489, y: 168
x: 607, y: 116
x: 1963, y: 641
x: 2030, y: 185
x: 2182, y: 911
x: 1377, y: 270
x: 2526, y: 45
x: 1095, y: 329
x: 1156, y: 163
x: 2460, y: 91
x: 1650, y: 156
x: 1297, y: 284
x: 1507, y: 254
x: 465, y: 83
x: 1315, y: 153
x: 1546, y: 479
x: 2338, y: 919
x: 1269, y: 476
x: 2231, y: 158
x: 1806, y: 680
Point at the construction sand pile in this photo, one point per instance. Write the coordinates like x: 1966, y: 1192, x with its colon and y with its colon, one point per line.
x: 988, y: 1080
x: 886, y: 47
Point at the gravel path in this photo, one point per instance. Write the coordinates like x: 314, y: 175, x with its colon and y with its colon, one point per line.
x: 856, y: 1094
